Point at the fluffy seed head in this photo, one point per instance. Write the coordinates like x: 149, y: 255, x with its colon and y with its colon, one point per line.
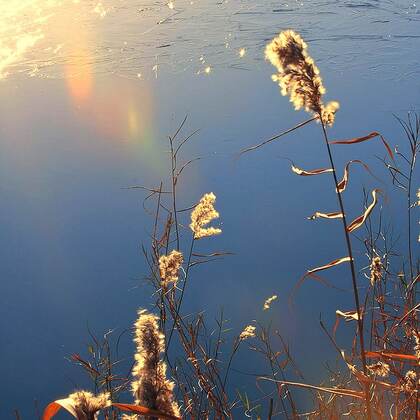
x: 410, y: 382
x: 248, y: 332
x: 375, y: 270
x: 169, y: 266
x: 268, y: 302
x: 380, y: 369
x: 328, y: 112
x: 202, y: 215
x: 298, y: 76
x: 416, y: 336
x: 86, y: 405
x: 150, y: 386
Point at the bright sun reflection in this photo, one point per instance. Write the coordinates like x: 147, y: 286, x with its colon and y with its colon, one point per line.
x: 78, y: 70
x: 33, y: 31
x: 65, y: 34
x: 21, y: 27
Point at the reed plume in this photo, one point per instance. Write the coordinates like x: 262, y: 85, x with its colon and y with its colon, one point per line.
x: 202, y: 215
x: 375, y: 270
x: 416, y: 336
x: 150, y: 386
x: 268, y: 302
x: 379, y: 368
x: 86, y: 405
x: 248, y: 332
x: 298, y: 76
x: 169, y: 266
x: 410, y: 382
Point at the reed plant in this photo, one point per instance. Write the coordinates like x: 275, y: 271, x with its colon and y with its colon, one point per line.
x: 183, y: 363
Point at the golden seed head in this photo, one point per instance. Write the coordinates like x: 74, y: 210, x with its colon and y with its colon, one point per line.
x: 375, y: 270
x: 379, y: 368
x: 86, y: 405
x: 202, y: 215
x: 410, y: 383
x: 150, y: 386
x: 268, y: 302
x: 328, y: 112
x: 416, y: 336
x: 169, y: 266
x: 298, y: 76
x: 248, y: 332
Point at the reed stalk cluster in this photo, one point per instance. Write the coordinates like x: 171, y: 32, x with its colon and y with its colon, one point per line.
x: 184, y: 364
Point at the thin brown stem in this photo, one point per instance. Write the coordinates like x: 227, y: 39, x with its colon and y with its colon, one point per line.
x: 178, y: 307
x: 257, y: 146
x: 173, y: 180
x: 353, y: 271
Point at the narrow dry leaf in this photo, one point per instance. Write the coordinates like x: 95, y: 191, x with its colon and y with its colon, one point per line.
x: 348, y: 316
x: 329, y: 265
x: 365, y: 138
x: 302, y: 172
x: 356, y: 223
x: 53, y: 408
x: 320, y: 215
x: 343, y: 183
x: 145, y: 411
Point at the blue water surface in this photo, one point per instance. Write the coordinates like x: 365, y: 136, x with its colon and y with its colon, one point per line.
x: 89, y: 92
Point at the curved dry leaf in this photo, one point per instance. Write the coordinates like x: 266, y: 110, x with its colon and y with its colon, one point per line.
x: 53, y: 408
x: 348, y: 316
x: 302, y: 172
x: 320, y: 215
x: 356, y: 223
x: 341, y: 186
x: 148, y: 412
x: 329, y: 265
x: 314, y: 277
x: 365, y: 138
x: 311, y: 273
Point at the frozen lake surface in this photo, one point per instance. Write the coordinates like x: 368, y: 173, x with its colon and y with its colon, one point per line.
x: 89, y: 92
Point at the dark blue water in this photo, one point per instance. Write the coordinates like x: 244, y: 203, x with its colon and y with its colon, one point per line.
x: 87, y: 101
